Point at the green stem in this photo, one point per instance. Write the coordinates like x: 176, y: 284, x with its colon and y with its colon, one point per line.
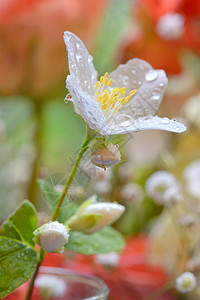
x: 157, y: 293
x: 84, y: 147
x: 41, y: 255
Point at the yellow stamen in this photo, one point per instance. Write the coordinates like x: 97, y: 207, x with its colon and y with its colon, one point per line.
x: 110, y: 82
x: 132, y: 92
x: 99, y: 99
x: 104, y: 106
x: 122, y: 100
x: 122, y: 91
x: 116, y: 108
x: 97, y: 85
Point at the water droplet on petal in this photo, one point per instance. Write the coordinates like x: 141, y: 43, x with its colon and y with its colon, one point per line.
x: 78, y: 56
x: 165, y: 120
x: 78, y: 45
x: 90, y: 58
x: 68, y: 98
x: 174, y: 120
x: 151, y: 75
x: 161, y: 84
x: 155, y: 97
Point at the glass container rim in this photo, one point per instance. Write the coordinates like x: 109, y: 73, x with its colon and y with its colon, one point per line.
x: 65, y: 271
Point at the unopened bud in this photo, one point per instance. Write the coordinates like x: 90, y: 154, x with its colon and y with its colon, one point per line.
x: 92, y: 217
x: 186, y: 282
x: 104, y: 154
x: 52, y: 236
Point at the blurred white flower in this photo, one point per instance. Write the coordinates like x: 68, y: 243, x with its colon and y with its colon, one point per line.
x: 192, y: 176
x: 163, y: 187
x: 108, y: 259
x: 52, y: 236
x: 124, y: 101
x: 191, y: 110
x: 51, y: 286
x: 132, y: 192
x: 93, y: 216
x: 102, y: 187
x: 170, y: 26
x: 188, y: 220
x: 186, y: 282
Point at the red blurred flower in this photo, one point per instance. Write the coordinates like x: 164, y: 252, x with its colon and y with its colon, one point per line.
x: 132, y: 278
x: 161, y: 52
x: 33, y: 57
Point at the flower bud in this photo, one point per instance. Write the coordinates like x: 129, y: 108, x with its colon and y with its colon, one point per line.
x: 186, y: 282
x: 52, y: 236
x: 104, y: 154
x: 92, y: 217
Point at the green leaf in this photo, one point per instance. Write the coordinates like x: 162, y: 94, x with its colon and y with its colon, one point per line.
x: 68, y: 208
x: 104, y: 241
x: 18, y: 256
x: 114, y: 23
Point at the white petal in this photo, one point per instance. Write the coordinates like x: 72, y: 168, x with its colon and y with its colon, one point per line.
x: 87, y: 107
x: 80, y: 63
x: 146, y: 123
x: 150, y: 85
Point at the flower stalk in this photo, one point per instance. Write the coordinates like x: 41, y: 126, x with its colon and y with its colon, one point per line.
x: 89, y: 137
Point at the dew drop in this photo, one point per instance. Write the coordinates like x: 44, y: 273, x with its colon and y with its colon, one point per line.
x: 78, y: 45
x: 78, y: 56
x: 151, y: 75
x: 68, y: 98
x: 155, y: 97
x: 174, y: 120
x: 165, y: 120
x: 90, y: 59
x: 161, y: 84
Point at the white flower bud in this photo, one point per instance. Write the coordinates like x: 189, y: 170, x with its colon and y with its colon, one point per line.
x: 170, y: 26
x: 186, y: 282
x: 52, y: 236
x: 108, y: 259
x: 110, y: 213
x: 50, y: 286
x: 92, y: 217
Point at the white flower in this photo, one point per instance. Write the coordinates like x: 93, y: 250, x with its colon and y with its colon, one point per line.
x: 186, y: 282
x: 171, y: 26
x: 121, y: 102
x: 51, y: 286
x: 52, y: 236
x: 163, y: 187
x: 92, y: 217
x: 108, y: 259
x: 192, y: 177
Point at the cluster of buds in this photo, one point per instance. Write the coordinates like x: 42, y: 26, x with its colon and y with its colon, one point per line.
x: 91, y: 216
